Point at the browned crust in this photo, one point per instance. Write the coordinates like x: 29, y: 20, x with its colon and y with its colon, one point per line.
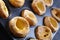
x: 2, y: 13
x: 17, y: 3
x: 35, y: 9
x: 57, y: 9
x: 14, y: 32
x: 46, y: 23
x: 37, y: 36
x: 31, y: 22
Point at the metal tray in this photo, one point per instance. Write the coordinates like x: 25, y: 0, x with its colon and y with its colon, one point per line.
x: 17, y: 11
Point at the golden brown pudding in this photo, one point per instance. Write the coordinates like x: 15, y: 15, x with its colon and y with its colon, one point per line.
x: 38, y: 7
x: 17, y: 3
x: 3, y: 10
x: 56, y: 13
x: 51, y: 23
x: 19, y: 26
x: 43, y: 33
x: 29, y: 15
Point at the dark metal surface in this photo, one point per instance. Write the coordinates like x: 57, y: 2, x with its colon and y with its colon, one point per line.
x: 17, y: 12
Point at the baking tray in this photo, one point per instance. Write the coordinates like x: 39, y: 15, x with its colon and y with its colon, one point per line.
x: 17, y: 12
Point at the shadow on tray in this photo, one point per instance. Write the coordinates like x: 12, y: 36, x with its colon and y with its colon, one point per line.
x: 3, y: 34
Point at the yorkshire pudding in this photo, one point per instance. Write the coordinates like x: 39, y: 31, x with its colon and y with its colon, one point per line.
x: 51, y: 23
x: 56, y: 13
x: 3, y: 10
x: 17, y: 3
x: 38, y: 7
x: 43, y: 33
x: 29, y: 15
x: 19, y: 26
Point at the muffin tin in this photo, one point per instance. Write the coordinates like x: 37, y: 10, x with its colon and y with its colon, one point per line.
x: 17, y: 12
